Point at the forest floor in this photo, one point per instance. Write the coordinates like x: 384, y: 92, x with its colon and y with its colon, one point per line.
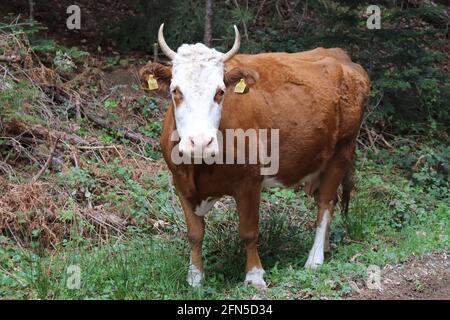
x: 426, y: 277
x: 105, y: 203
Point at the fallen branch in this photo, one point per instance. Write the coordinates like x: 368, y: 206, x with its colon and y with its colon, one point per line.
x: 9, y: 58
x: 19, y: 128
x: 96, y: 147
x: 78, y: 108
x: 370, y: 137
x: 127, y: 133
x: 47, y: 163
x: 385, y: 142
x: 415, y: 167
x: 103, y: 220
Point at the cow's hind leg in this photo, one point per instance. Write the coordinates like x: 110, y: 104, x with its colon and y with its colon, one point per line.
x: 196, y: 232
x: 326, y: 196
x: 247, y: 201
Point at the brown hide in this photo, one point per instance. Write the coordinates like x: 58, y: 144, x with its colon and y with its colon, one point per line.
x: 315, y: 98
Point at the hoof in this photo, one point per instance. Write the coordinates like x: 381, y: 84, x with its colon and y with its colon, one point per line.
x: 255, y: 277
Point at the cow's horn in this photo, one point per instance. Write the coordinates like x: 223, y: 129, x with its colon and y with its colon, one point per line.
x: 163, y: 44
x: 236, y: 46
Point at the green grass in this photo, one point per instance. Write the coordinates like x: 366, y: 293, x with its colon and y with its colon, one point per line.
x: 390, y: 219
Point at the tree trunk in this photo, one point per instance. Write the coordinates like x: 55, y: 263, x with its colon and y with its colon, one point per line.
x: 207, y: 39
x: 31, y: 8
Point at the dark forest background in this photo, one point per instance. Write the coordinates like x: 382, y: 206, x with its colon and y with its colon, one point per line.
x: 408, y: 58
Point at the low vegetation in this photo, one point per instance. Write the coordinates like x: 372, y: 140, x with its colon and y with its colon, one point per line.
x: 391, y: 218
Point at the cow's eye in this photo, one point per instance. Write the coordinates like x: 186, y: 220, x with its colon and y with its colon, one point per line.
x: 219, y: 95
x: 177, y: 92
x: 177, y: 96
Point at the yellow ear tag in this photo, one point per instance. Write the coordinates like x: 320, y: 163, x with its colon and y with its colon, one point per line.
x: 240, y: 87
x: 152, y: 83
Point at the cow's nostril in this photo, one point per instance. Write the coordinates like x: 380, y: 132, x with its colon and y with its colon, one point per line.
x: 210, y: 141
x: 191, y: 141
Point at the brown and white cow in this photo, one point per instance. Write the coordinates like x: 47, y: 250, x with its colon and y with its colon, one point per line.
x: 315, y: 100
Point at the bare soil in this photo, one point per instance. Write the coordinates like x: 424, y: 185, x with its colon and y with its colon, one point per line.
x: 425, y: 278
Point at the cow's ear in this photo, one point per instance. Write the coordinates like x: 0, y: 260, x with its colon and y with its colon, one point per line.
x: 235, y: 75
x: 160, y: 77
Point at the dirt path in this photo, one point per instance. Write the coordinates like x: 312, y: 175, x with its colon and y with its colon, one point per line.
x: 425, y: 278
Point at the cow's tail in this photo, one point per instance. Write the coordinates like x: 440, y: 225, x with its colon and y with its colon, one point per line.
x: 348, y: 184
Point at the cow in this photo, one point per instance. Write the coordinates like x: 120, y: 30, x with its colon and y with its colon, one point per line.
x: 314, y: 100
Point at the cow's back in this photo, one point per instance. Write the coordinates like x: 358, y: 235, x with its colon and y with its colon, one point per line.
x: 315, y: 98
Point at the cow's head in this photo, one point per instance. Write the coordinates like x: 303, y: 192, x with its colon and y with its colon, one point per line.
x: 197, y: 83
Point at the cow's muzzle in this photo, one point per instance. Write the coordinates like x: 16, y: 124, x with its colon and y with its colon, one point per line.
x: 199, y: 146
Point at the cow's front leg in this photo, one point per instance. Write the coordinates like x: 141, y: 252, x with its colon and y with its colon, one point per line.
x: 247, y: 201
x: 196, y: 231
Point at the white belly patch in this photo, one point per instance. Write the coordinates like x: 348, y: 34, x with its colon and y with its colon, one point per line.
x: 271, y: 182
x: 205, y: 206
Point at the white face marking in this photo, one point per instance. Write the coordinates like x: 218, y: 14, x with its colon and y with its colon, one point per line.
x: 255, y: 277
x: 316, y: 254
x: 205, y: 206
x: 198, y: 73
x: 195, y: 276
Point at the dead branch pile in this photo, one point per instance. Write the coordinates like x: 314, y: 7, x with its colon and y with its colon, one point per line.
x: 40, y: 133
x: 42, y: 212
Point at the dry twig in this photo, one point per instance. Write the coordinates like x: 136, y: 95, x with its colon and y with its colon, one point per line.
x: 47, y: 163
x: 127, y: 133
x: 9, y: 58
